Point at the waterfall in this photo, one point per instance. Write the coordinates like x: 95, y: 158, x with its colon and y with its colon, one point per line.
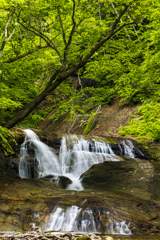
x: 76, y: 156
x: 64, y: 220
x: 74, y: 218
x: 129, y: 149
x: 47, y: 160
x: 83, y: 155
x: 117, y: 227
x: 72, y: 162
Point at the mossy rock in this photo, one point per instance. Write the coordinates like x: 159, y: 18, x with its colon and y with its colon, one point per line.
x: 85, y: 237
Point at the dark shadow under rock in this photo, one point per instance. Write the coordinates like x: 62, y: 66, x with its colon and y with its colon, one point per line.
x: 61, y: 181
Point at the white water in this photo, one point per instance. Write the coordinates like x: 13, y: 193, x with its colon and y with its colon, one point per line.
x: 117, y: 227
x: 129, y: 149
x: 48, y: 162
x: 81, y: 157
x: 72, y: 162
x: 75, y: 157
x: 74, y: 218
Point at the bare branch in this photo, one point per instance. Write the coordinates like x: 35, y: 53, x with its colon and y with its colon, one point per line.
x: 94, y: 48
x: 10, y: 35
x: 80, y: 83
x: 121, y: 21
x: 55, y: 36
x: 72, y: 31
x: 7, y: 23
x: 6, y: 32
x: 100, y: 43
x: 60, y: 76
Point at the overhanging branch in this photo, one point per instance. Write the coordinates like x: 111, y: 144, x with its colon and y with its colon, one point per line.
x: 60, y: 75
x: 45, y: 38
x: 24, y: 55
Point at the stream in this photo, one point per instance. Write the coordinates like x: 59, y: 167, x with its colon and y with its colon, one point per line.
x: 72, y: 162
x: 88, y: 185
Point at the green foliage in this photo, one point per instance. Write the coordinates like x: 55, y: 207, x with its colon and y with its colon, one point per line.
x: 147, y: 124
x: 127, y: 66
x: 33, y: 120
x: 68, y: 102
x: 72, y: 115
x: 5, y: 136
x: 90, y: 123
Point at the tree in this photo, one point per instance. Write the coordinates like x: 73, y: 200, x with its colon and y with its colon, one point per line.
x: 14, y: 45
x: 68, y: 37
x: 62, y: 27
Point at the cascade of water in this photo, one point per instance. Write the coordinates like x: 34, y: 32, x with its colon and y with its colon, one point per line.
x: 64, y: 220
x: 128, y: 149
x: 75, y: 157
x: 83, y: 155
x: 47, y: 160
x: 117, y: 227
x: 74, y: 218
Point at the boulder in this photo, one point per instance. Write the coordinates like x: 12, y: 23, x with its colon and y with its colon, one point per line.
x: 64, y: 182
x: 60, y: 181
x: 133, y: 177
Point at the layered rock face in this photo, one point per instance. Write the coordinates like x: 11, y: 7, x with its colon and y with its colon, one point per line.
x: 118, y: 191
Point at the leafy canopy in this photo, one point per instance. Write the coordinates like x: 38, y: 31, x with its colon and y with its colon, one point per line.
x: 43, y: 43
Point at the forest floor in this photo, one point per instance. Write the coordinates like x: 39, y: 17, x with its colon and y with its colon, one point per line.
x: 106, y: 124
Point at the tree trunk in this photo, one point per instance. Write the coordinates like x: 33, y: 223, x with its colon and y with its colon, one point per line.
x: 30, y: 107
x: 62, y: 74
x: 0, y: 99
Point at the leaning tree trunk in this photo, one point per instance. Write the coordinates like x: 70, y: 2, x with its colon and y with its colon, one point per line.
x: 30, y: 107
x: 61, y: 74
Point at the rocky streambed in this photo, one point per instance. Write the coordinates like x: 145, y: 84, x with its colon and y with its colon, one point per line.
x: 126, y: 192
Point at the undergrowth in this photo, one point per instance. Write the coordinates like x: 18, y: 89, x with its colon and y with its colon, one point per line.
x: 146, y: 125
x: 5, y: 136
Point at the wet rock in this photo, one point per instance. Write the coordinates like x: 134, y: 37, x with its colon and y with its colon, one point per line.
x: 52, y: 139
x: 85, y: 237
x: 48, y: 177
x: 19, y: 135
x: 134, y: 178
x: 64, y: 182
x: 60, y: 181
x: 127, y: 190
x: 107, y: 238
x: 24, y: 201
x: 7, y: 165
